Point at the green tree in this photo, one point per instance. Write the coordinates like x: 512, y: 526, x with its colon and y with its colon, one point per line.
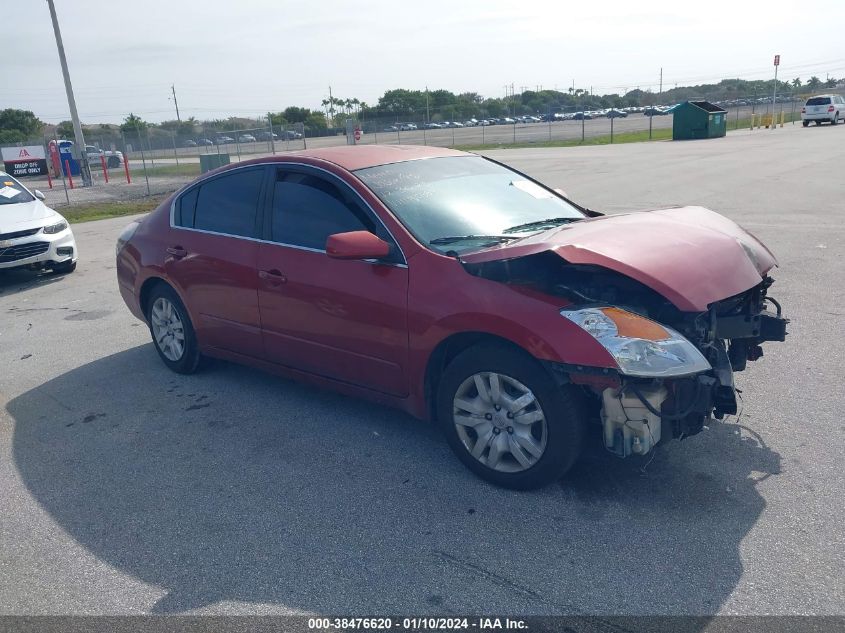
x: 813, y: 83
x: 18, y: 125
x: 830, y: 83
x: 796, y: 83
x: 64, y: 129
x: 279, y: 118
x: 316, y: 123
x: 133, y: 124
x: 295, y: 114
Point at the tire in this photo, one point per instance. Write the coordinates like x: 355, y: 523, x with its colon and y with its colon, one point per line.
x: 168, y: 319
x: 65, y: 268
x: 532, y: 454
x: 834, y: 120
x: 818, y: 121
x: 805, y: 123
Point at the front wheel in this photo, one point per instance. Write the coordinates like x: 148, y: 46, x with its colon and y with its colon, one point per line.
x: 507, y: 420
x: 172, y: 331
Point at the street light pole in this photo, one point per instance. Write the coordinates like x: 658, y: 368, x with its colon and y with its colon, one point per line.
x: 84, y: 168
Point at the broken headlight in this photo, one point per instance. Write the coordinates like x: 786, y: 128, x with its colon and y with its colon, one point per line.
x: 641, y: 347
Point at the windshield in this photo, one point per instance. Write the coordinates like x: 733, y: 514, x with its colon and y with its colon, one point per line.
x: 441, y: 198
x: 11, y: 191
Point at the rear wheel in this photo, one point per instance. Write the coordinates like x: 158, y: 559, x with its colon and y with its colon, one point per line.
x: 805, y: 123
x: 834, y: 120
x: 507, y: 420
x: 172, y: 331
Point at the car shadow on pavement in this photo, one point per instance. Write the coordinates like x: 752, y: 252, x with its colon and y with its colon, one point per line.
x: 234, y: 485
x: 20, y: 280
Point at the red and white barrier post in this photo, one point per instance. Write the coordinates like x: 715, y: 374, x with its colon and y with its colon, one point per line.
x: 105, y: 170
x: 69, y: 174
x: 126, y: 169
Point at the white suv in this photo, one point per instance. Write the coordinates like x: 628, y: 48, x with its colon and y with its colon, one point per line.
x: 823, y: 108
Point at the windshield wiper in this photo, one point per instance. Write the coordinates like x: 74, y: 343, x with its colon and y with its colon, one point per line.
x: 451, y: 239
x: 548, y: 222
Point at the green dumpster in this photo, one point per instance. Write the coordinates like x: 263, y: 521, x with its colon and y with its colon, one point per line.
x: 212, y: 161
x: 698, y: 119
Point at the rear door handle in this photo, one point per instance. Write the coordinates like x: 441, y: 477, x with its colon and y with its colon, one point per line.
x: 177, y: 251
x: 274, y: 276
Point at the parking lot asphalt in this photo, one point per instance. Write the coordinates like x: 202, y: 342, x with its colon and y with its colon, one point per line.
x: 128, y: 489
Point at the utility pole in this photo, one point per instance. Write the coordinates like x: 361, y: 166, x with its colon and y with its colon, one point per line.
x: 775, y: 93
x: 427, y: 116
x: 331, y: 106
x: 661, y: 85
x: 82, y: 156
x: 176, y: 103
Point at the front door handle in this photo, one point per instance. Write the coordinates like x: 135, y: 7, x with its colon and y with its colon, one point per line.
x: 274, y: 277
x: 177, y: 251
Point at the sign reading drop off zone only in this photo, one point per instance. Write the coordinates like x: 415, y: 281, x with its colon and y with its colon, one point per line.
x: 29, y: 160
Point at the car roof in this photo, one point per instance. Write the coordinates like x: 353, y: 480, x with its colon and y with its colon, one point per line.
x: 352, y: 157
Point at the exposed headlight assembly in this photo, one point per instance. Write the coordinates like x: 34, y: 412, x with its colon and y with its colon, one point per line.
x: 58, y: 227
x: 641, y: 347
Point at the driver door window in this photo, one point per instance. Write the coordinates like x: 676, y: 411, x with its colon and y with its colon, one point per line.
x: 307, y: 209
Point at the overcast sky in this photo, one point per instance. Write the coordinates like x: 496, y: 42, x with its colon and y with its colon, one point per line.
x: 247, y: 57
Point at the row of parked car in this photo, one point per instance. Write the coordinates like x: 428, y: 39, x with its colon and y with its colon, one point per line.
x: 288, y: 135
x: 609, y: 113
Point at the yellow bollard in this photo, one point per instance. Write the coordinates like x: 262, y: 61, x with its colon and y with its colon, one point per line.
x: 752, y: 121
x: 782, y: 118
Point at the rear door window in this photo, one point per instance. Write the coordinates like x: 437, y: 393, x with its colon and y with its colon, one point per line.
x: 227, y: 204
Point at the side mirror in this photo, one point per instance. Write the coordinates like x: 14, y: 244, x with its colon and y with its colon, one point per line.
x: 38, y: 194
x: 561, y: 192
x: 356, y: 245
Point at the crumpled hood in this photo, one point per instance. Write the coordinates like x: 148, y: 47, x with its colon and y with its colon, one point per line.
x: 24, y: 215
x: 690, y: 255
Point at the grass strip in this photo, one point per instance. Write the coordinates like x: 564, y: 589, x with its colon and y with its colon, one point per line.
x: 113, y: 209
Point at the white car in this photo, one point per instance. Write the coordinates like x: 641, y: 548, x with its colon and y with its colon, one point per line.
x: 32, y: 235
x: 820, y: 108
x: 113, y: 158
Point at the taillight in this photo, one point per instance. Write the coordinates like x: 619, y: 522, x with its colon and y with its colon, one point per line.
x: 804, y: 110
x: 830, y: 108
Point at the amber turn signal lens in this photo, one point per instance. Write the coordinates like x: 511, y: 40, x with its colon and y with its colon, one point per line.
x: 634, y: 326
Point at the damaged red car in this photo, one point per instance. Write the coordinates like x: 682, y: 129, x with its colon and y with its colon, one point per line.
x: 462, y: 291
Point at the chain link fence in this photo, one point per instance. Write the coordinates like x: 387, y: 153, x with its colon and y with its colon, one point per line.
x: 150, y: 160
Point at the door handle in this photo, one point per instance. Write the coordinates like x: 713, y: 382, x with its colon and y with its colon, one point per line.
x: 274, y: 276
x: 177, y: 251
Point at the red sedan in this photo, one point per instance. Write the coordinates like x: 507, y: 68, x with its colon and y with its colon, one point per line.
x: 461, y: 291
